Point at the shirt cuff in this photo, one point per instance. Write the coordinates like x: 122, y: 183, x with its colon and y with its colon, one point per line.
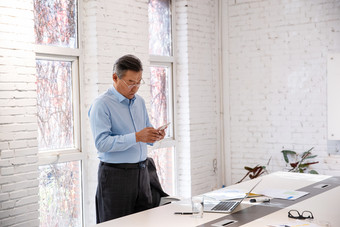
x: 131, y: 138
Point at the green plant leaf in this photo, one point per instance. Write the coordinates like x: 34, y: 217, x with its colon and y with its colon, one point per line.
x: 289, y: 152
x: 304, y: 165
x: 286, y: 153
x: 311, y: 156
x: 310, y: 149
x: 313, y: 171
x: 305, y: 154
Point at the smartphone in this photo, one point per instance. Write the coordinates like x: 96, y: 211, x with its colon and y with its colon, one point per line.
x: 164, y: 126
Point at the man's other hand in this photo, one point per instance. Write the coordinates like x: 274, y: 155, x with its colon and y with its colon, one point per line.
x: 149, y: 135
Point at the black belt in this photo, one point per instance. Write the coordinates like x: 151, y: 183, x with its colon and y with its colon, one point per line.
x: 138, y: 165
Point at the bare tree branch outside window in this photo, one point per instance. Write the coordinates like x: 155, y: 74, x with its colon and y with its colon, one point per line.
x: 55, y: 112
x: 56, y: 22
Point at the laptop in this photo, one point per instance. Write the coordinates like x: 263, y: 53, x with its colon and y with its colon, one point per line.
x: 225, y: 206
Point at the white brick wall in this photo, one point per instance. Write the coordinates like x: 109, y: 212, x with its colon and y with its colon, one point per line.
x: 197, y: 95
x: 110, y: 29
x: 18, y: 124
x: 277, y: 75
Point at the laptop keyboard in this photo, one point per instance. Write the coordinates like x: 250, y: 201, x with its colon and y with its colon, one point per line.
x: 224, y: 206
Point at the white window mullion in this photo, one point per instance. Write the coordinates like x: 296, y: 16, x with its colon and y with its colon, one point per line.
x: 60, y: 156
x: 51, y: 50
x: 76, y: 103
x: 164, y: 59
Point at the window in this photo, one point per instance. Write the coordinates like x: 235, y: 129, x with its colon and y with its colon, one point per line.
x: 57, y: 74
x: 161, y: 93
x: 55, y: 23
x: 161, y: 88
x: 60, y: 200
x: 160, y: 35
x: 55, y: 112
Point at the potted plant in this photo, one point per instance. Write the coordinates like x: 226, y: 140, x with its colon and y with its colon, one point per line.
x: 300, y: 163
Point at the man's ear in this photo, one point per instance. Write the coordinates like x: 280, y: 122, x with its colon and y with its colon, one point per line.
x: 115, y: 77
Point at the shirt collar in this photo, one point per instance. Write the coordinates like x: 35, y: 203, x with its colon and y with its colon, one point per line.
x: 121, y: 97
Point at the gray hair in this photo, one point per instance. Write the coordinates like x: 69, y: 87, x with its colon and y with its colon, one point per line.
x: 125, y: 63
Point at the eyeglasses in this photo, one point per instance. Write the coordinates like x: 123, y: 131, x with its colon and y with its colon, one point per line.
x: 130, y: 86
x: 304, y: 215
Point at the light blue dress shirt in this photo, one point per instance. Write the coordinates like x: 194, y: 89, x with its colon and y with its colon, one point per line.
x: 114, y: 121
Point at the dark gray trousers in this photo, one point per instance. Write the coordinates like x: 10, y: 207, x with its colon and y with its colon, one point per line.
x: 123, y: 189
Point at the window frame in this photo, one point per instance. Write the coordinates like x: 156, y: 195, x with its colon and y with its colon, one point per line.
x: 69, y: 154
x: 158, y: 60
x: 75, y: 56
x: 169, y: 65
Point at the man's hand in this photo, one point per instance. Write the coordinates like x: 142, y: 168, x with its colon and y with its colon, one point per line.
x: 149, y: 135
x: 161, y: 133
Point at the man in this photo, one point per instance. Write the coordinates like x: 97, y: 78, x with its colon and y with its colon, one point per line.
x: 121, y: 130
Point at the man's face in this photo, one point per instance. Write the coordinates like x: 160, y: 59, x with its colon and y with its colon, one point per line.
x: 125, y: 86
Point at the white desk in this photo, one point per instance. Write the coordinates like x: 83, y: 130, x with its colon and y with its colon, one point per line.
x: 324, y: 206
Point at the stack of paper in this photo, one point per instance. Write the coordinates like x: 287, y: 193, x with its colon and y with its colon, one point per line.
x: 283, y: 194
x: 224, y: 194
